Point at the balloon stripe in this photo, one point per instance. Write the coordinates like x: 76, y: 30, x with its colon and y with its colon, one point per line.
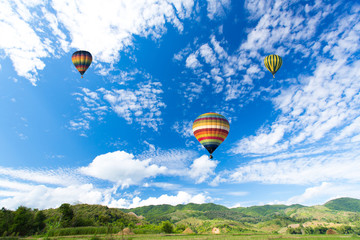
x: 212, y: 137
x: 212, y: 126
x: 210, y: 118
x: 211, y: 141
x: 204, y: 130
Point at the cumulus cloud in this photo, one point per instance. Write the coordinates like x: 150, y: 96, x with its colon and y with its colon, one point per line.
x: 42, y: 197
x: 181, y: 198
x: 50, y: 188
x: 122, y: 168
x: 202, y: 168
x: 18, y: 194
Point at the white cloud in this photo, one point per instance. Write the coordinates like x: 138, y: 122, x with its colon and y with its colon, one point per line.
x: 142, y: 105
x: 264, y: 142
x: 328, y: 165
x: 176, y: 161
x: 42, y: 197
x: 237, y: 194
x: 122, y: 168
x: 182, y: 163
x: 93, y: 26
x: 184, y: 128
x: 207, y: 53
x: 217, y: 8
x: 324, y: 192
x: 39, y: 30
x: 321, y: 106
x: 21, y: 42
x: 192, y: 61
x: 163, y: 185
x: 181, y: 198
x: 63, y: 177
x: 79, y: 124
x: 202, y: 168
x: 50, y: 188
x: 192, y: 91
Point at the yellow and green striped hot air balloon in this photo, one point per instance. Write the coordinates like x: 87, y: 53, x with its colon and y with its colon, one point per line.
x: 273, y: 63
x: 211, y: 129
x: 82, y: 60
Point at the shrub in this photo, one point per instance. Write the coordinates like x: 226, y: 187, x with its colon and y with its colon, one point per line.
x: 167, y: 227
x: 294, y: 230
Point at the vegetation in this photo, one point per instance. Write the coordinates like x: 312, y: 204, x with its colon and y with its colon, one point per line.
x: 96, y: 220
x: 344, y: 204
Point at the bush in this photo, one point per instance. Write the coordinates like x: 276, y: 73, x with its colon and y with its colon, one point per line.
x: 167, y: 227
x: 291, y: 230
x: 345, y: 230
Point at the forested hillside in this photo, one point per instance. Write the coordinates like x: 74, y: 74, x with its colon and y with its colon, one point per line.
x: 344, y: 204
x: 341, y: 215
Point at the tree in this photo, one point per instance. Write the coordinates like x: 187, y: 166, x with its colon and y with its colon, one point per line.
x: 39, y: 221
x: 6, y: 220
x: 67, y: 215
x: 167, y: 227
x: 23, y: 221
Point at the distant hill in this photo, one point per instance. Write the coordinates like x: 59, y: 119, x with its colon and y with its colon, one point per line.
x: 158, y: 213
x: 342, y: 210
x: 340, y: 214
x: 344, y: 204
x: 86, y: 214
x: 266, y: 210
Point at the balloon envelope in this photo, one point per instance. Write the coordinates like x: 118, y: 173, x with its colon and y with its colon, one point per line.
x: 82, y: 60
x: 273, y: 63
x: 211, y: 129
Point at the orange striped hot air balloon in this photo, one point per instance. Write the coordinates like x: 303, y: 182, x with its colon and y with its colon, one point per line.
x: 82, y: 60
x: 211, y: 129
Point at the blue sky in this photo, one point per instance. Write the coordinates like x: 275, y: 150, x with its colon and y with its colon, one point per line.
x: 122, y: 136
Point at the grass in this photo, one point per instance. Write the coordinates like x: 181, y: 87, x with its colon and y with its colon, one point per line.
x: 203, y: 237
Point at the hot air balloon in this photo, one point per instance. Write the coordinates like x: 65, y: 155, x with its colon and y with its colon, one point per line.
x: 211, y: 129
x: 82, y: 60
x: 273, y: 63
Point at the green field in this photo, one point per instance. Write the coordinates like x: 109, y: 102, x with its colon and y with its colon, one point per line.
x: 202, y: 237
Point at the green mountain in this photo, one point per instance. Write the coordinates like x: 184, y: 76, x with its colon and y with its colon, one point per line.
x: 266, y: 210
x: 159, y: 213
x: 92, y: 215
x: 342, y: 214
x: 344, y: 204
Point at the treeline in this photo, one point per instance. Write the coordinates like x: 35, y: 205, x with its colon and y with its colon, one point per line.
x: 22, y: 222
x: 25, y: 221
x: 345, y: 229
